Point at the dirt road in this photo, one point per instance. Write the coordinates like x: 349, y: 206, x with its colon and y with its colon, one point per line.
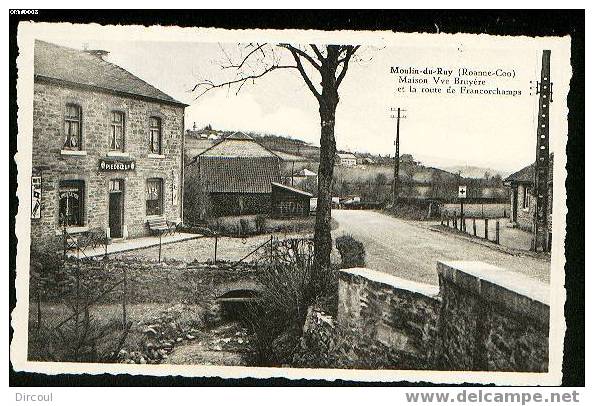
x: 409, y: 250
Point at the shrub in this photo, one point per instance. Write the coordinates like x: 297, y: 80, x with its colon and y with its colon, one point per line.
x: 287, y: 291
x: 352, y: 252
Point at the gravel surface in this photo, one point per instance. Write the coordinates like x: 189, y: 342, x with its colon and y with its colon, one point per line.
x: 410, y: 250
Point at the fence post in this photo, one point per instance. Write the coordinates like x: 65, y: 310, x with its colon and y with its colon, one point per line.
x: 271, y: 252
x: 76, y: 308
x: 497, y: 232
x: 215, y: 248
x: 474, y: 226
x: 124, y: 299
x: 486, y: 229
x: 160, y: 236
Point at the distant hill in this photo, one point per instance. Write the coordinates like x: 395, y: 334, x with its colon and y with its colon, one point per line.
x: 476, y: 172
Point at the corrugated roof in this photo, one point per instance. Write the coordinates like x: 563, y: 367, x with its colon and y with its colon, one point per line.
x: 238, y: 175
x: 292, y: 189
x: 238, y: 145
x: 72, y: 66
x: 526, y: 174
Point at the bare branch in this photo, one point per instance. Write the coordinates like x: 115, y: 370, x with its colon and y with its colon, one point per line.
x: 350, y: 51
x: 317, y: 51
x: 294, y: 50
x: 306, y: 78
x: 243, y: 61
x: 208, y: 85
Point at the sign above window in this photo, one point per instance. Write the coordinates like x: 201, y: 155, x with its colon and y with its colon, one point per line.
x: 117, y: 165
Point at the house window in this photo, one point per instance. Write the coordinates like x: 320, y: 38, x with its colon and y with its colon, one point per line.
x: 116, y: 138
x: 154, y: 197
x: 71, y: 194
x: 525, y: 198
x: 155, y: 135
x: 73, y: 127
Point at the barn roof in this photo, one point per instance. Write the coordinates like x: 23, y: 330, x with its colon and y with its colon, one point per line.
x: 526, y: 174
x: 71, y: 66
x: 291, y: 157
x: 291, y: 189
x: 238, y: 174
x: 238, y: 145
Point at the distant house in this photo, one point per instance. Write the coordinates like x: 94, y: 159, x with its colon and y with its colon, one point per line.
x: 232, y: 177
x: 522, y: 199
x: 289, y: 201
x: 346, y: 159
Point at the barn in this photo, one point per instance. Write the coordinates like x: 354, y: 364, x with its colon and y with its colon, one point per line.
x: 288, y: 201
x: 232, y: 177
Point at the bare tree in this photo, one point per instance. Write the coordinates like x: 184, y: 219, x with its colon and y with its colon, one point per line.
x: 326, y: 65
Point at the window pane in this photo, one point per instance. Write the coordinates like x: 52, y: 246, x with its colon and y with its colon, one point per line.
x: 154, y: 197
x: 71, y: 195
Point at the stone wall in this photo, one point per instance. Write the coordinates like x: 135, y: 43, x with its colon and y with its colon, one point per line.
x: 492, y: 319
x: 480, y: 318
x: 400, y: 314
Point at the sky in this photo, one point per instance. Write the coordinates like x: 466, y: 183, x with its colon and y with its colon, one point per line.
x: 498, y: 132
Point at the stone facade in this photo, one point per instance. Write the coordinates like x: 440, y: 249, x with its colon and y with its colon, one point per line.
x: 55, y: 165
x: 483, y: 318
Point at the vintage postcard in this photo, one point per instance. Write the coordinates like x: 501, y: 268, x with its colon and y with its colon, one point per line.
x: 355, y: 205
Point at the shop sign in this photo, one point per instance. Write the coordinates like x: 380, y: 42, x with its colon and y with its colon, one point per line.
x: 35, y: 197
x: 115, y: 165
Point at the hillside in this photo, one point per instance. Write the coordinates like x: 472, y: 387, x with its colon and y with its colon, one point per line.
x: 478, y: 172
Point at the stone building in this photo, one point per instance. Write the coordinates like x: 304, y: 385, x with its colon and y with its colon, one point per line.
x: 232, y: 177
x: 522, y: 199
x: 107, y: 147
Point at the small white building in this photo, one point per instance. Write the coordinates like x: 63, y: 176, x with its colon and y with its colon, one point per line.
x: 346, y: 159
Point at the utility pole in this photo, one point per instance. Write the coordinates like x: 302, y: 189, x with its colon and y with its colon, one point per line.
x: 396, y: 182
x: 541, y: 165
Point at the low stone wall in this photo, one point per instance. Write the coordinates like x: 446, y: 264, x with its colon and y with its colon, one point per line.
x: 479, y: 318
x: 492, y: 319
x: 399, y: 314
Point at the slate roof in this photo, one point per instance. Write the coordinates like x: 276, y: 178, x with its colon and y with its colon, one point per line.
x: 238, y: 145
x: 238, y: 175
x: 526, y: 174
x: 71, y: 66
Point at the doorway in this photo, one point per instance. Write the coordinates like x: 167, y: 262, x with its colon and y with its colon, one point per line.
x: 116, y: 207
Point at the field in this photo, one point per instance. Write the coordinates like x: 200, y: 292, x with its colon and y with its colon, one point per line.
x: 481, y: 210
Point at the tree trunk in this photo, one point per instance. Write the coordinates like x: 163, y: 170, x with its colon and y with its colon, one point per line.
x: 322, y: 236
